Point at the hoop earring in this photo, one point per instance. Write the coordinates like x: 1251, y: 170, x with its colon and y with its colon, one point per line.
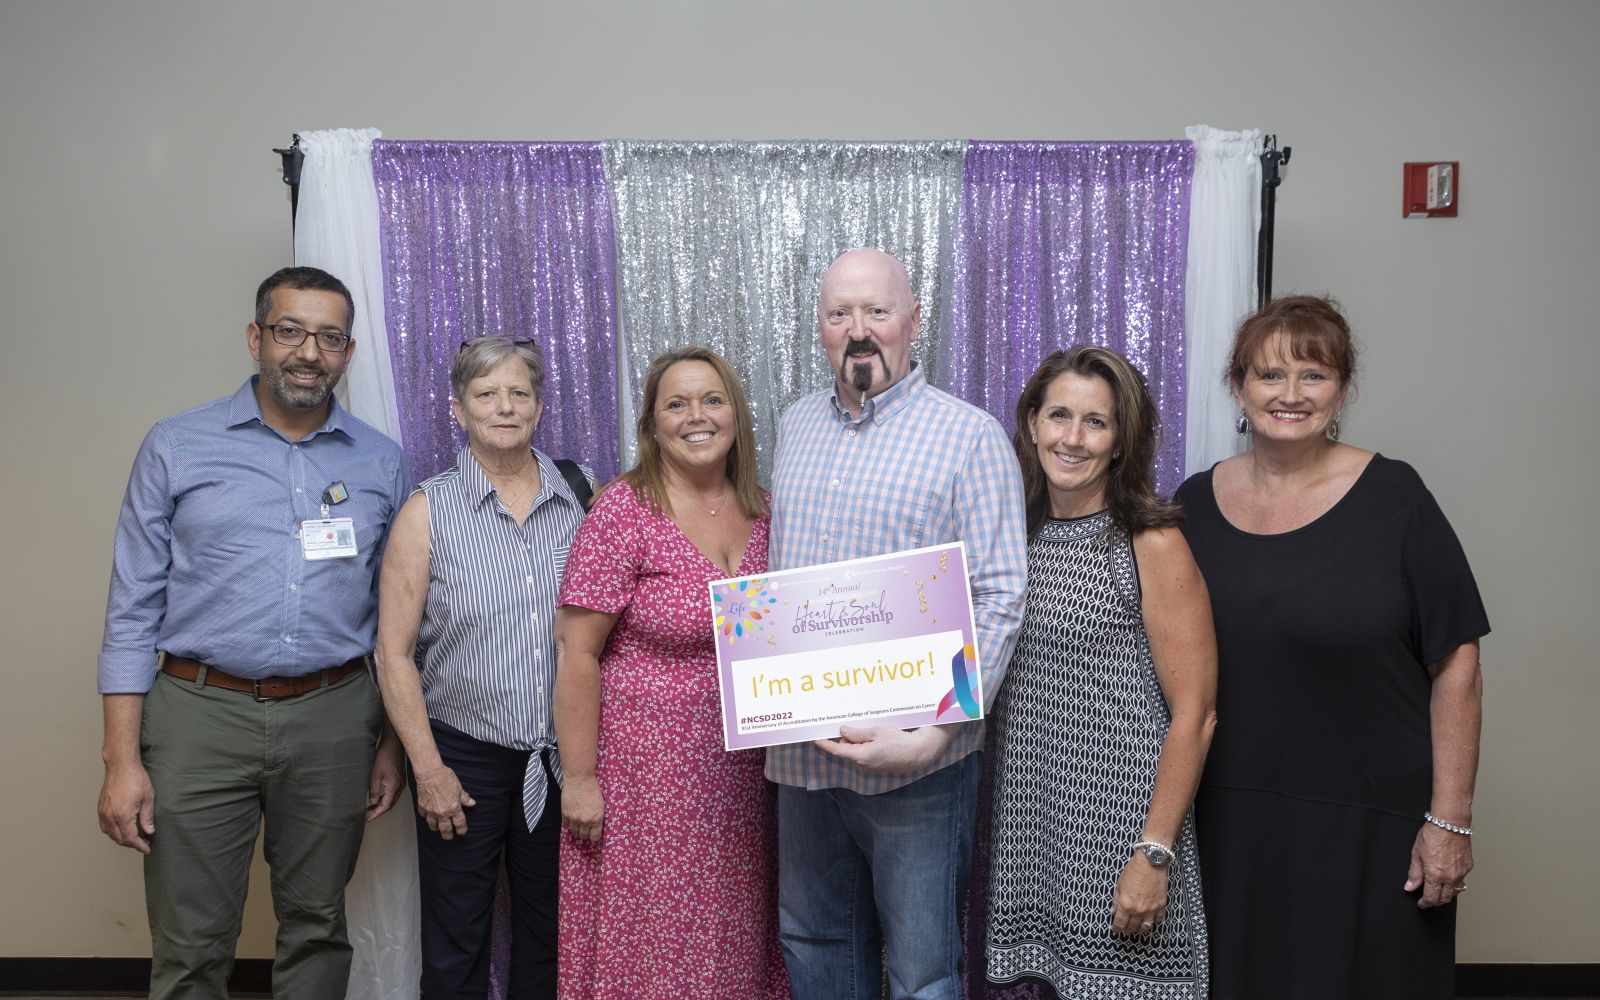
x: 1242, y: 425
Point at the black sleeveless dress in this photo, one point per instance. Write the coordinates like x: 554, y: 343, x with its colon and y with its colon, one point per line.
x: 1321, y: 767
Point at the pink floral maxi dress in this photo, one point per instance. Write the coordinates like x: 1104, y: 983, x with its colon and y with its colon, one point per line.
x: 679, y: 898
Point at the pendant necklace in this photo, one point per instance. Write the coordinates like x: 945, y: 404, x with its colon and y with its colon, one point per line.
x: 722, y: 500
x: 512, y: 502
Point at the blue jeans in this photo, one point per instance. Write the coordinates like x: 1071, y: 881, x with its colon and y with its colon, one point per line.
x: 859, y: 875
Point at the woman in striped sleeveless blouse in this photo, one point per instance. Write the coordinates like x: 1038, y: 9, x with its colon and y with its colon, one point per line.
x: 466, y: 658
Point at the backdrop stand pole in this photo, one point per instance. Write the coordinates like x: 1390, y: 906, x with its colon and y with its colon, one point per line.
x: 293, y: 158
x: 1271, y: 160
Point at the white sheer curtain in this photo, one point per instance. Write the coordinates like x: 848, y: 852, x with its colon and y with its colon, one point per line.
x: 1224, y: 217
x: 337, y: 230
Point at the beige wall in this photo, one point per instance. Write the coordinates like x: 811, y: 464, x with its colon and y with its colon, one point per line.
x: 140, y: 206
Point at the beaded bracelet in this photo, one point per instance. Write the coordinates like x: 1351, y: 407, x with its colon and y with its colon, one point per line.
x: 1465, y: 831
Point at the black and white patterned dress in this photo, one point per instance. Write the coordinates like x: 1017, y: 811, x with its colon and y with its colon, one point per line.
x: 1079, y: 727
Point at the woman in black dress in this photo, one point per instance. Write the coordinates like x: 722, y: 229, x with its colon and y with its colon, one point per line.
x: 1334, y: 817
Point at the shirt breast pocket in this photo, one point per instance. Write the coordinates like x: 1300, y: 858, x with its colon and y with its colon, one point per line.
x: 898, y: 512
x: 371, y: 509
x: 558, y: 560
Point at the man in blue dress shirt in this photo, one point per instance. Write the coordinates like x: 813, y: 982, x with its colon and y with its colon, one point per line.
x: 234, y: 666
x: 875, y: 830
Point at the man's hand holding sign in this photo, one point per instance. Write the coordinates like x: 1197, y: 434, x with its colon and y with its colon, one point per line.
x: 868, y: 658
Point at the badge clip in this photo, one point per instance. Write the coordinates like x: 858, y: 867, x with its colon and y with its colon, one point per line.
x: 336, y: 493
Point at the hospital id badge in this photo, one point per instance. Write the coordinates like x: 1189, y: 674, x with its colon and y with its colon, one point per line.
x: 328, y: 538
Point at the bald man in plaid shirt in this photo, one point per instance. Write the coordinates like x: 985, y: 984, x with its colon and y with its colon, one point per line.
x: 875, y: 829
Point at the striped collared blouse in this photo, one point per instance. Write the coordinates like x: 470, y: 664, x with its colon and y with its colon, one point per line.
x: 486, y: 648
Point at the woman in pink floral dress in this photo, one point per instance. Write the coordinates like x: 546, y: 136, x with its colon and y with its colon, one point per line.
x: 668, y: 877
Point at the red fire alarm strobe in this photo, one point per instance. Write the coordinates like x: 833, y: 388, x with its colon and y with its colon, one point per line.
x: 1432, y: 190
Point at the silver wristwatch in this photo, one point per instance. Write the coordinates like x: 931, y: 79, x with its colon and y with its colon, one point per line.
x: 1159, y: 855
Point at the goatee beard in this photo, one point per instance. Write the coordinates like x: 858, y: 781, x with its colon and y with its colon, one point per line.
x: 295, y: 396
x: 861, y: 377
x: 859, y: 369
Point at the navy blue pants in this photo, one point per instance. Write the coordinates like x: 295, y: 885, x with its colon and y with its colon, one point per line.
x: 458, y: 877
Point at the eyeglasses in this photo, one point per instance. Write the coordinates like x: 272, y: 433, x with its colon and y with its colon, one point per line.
x: 513, y: 341
x: 290, y: 335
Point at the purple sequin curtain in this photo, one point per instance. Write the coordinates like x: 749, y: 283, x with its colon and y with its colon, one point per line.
x: 513, y: 238
x: 1062, y: 243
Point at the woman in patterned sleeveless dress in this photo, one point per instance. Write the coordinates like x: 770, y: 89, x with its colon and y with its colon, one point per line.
x: 1091, y: 887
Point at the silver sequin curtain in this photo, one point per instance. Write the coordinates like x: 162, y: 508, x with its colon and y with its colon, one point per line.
x: 724, y: 244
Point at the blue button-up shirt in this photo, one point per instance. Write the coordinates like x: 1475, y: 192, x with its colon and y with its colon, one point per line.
x: 208, y: 562
x: 918, y: 467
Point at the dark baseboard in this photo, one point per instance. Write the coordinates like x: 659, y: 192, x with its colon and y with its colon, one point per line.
x: 1567, y: 981
x: 251, y: 976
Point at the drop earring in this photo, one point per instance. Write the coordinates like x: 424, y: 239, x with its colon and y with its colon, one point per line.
x: 1242, y: 425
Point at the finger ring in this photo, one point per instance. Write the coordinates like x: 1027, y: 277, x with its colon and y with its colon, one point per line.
x: 1148, y: 924
x: 1462, y: 887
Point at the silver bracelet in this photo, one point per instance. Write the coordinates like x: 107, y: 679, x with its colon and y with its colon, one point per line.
x: 1158, y: 854
x: 1465, y: 831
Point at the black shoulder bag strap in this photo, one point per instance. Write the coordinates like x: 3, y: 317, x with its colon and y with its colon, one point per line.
x: 576, y: 481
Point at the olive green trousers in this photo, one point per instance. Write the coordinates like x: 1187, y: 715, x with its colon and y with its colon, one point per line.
x: 222, y: 763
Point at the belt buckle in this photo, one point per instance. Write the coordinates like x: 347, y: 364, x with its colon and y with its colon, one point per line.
x: 255, y: 690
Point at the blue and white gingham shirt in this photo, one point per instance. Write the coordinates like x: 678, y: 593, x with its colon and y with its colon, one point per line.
x: 918, y: 467
x: 208, y: 563
x: 486, y: 647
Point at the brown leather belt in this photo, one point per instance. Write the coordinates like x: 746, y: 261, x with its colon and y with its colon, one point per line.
x: 265, y: 688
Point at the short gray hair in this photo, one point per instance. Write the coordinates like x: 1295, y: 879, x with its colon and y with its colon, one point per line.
x: 480, y: 355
